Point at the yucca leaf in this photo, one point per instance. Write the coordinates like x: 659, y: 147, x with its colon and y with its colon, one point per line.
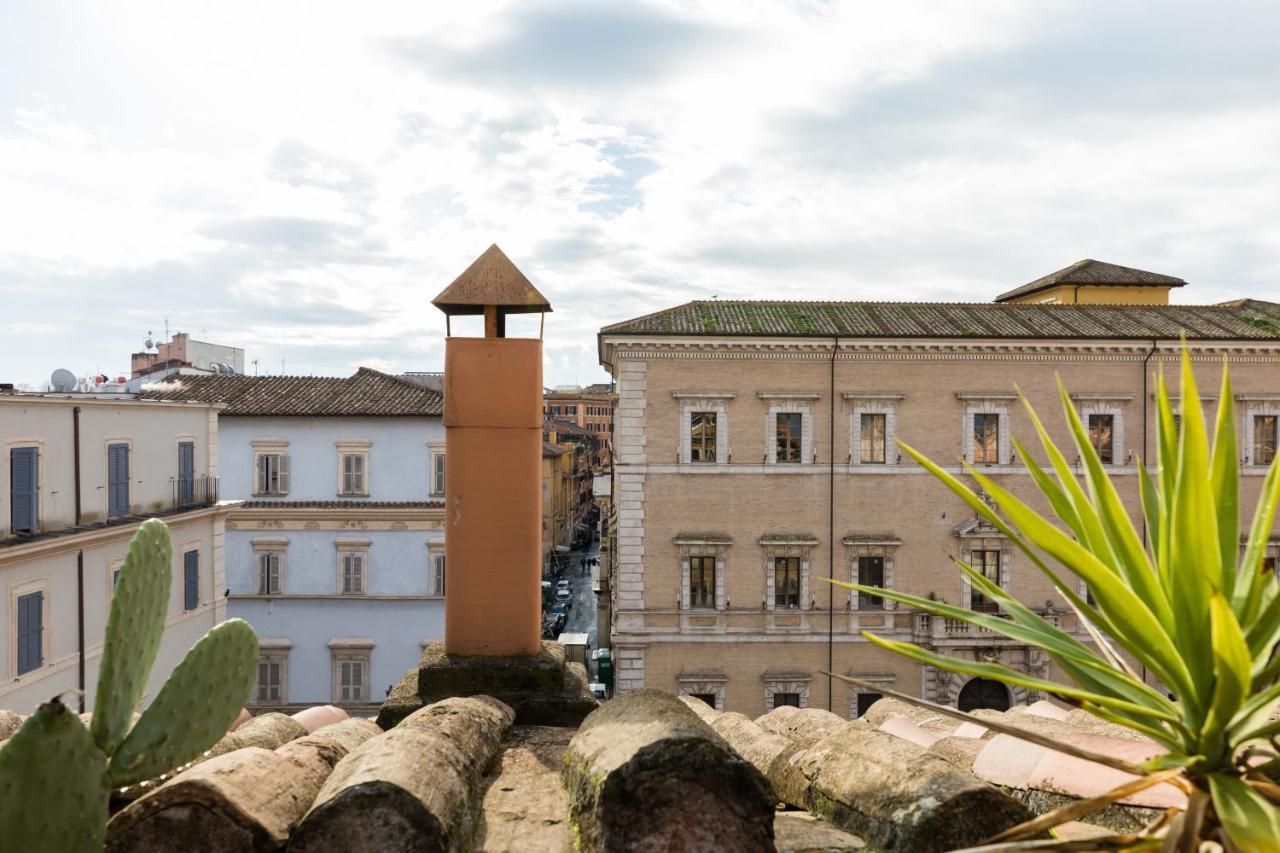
x: 1254, y: 712
x: 1058, y: 499
x: 1249, y: 819
x: 1167, y: 439
x: 1114, y: 518
x: 1004, y: 674
x: 1144, y: 635
x: 1264, y: 631
x: 1246, y: 602
x: 1151, y: 510
x: 1232, y: 677
x: 1225, y: 479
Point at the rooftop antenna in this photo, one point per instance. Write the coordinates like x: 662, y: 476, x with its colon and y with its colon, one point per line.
x: 148, y: 343
x: 255, y: 367
x: 166, y: 328
x: 62, y: 380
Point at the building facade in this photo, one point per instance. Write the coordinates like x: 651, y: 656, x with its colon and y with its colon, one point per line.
x: 78, y: 475
x: 336, y: 556
x: 589, y: 407
x: 755, y: 457
x: 183, y: 351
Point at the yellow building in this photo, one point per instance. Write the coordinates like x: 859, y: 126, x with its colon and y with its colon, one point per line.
x: 1091, y: 282
x: 557, y: 500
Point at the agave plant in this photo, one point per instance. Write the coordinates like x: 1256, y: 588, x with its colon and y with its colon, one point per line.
x: 1185, y: 604
x: 56, y: 775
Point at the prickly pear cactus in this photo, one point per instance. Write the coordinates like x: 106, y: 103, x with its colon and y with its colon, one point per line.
x: 53, y: 785
x: 56, y: 775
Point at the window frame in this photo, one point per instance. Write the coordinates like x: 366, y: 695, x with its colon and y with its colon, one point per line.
x: 1255, y: 417
x: 881, y: 545
x: 866, y: 601
x: 41, y: 586
x: 6, y: 521
x: 987, y: 404
x: 114, y: 446
x: 277, y: 547
x: 698, y: 437
x: 437, y: 473
x: 263, y: 450
x: 978, y: 602
x: 788, y: 440
x: 714, y: 402
x: 351, y: 651
x: 354, y: 449
x: 791, y: 565
x: 783, y: 684
x: 273, y: 652
x: 357, y: 555
x: 187, y: 585
x: 703, y: 595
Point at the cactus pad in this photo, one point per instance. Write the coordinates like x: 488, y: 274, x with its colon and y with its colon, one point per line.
x: 134, y: 629
x: 195, y: 707
x: 53, y: 787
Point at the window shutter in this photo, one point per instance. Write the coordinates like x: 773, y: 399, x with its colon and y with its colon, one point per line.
x: 191, y: 584
x: 30, y: 632
x: 23, y: 489
x: 261, y: 475
x: 117, y: 479
x: 283, y: 479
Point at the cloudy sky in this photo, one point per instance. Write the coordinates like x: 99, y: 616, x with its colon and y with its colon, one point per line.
x: 301, y: 178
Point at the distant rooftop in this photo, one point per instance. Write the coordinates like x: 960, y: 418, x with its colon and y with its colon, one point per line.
x: 368, y: 393
x: 1091, y: 272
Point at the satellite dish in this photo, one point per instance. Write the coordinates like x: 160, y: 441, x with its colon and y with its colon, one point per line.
x: 63, y: 380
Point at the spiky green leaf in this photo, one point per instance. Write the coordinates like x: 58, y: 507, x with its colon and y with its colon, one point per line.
x: 1248, y: 817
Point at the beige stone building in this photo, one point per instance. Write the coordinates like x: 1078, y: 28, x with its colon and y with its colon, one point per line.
x: 589, y: 407
x: 755, y: 457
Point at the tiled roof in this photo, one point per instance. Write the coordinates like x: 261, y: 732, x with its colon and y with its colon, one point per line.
x: 1090, y: 271
x: 549, y: 449
x: 368, y: 393
x: 342, y: 505
x: 1250, y: 319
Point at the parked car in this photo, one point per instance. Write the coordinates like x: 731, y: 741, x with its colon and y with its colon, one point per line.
x: 563, y: 583
x: 598, y: 690
x: 565, y: 597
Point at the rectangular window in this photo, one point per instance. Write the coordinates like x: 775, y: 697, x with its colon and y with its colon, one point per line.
x: 268, y: 573
x: 272, y: 474
x: 702, y: 437
x: 117, y: 479
x: 1269, y: 566
x: 873, y: 432
x: 437, y: 568
x: 437, y: 473
x: 866, y: 700
x: 186, y: 473
x: 30, y: 632
x: 24, y: 486
x: 870, y: 573
x: 571, y: 410
x: 786, y: 581
x: 352, y: 573
x: 270, y: 678
x: 353, y: 465
x: 708, y: 698
x: 986, y: 438
x: 702, y: 581
x: 1264, y: 439
x: 190, y: 580
x: 351, y: 680
x: 1101, y: 436
x: 792, y: 699
x: 988, y: 563
x: 787, y: 433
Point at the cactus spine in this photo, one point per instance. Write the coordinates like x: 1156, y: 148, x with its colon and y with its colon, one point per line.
x: 56, y: 775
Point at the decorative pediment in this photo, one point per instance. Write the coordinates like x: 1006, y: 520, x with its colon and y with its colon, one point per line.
x: 977, y: 528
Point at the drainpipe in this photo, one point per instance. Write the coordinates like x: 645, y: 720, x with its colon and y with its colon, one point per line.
x: 831, y: 527
x: 75, y: 455
x: 1145, y: 394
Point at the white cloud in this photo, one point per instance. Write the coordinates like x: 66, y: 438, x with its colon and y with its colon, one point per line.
x: 301, y: 178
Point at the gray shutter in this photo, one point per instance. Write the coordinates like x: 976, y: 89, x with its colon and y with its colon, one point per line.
x: 23, y: 489
x: 117, y: 479
x: 261, y: 475
x: 283, y: 479
x: 186, y: 472
x: 191, y: 580
x: 30, y: 632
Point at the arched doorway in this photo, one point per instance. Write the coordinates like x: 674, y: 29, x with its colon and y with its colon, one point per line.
x: 983, y: 693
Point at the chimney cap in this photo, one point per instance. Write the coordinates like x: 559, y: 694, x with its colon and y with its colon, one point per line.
x: 491, y: 280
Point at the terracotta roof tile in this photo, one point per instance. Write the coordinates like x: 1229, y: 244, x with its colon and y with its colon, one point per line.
x: 1243, y: 320
x: 368, y: 393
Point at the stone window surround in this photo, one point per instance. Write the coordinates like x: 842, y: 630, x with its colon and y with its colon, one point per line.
x: 435, y: 449
x: 435, y: 548
x: 704, y: 401
x: 1255, y: 404
x: 350, y: 649
x: 354, y: 447
x: 6, y: 480
x: 788, y: 402
x: 879, y: 679
x: 785, y: 682
x: 873, y: 404
x: 706, y: 682
x: 1107, y: 404
x: 777, y: 545
x: 872, y: 545
x: 987, y: 403
x: 278, y: 545
x: 977, y: 535
x: 703, y: 545
x: 271, y: 446
x: 343, y: 546
x: 42, y: 584
x: 274, y: 650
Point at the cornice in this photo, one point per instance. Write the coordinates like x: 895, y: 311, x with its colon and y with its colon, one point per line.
x: 47, y: 546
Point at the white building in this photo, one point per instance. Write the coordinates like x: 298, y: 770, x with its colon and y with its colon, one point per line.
x: 337, y: 555
x: 78, y: 475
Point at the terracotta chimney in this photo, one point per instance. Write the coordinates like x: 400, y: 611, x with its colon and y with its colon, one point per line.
x: 493, y: 443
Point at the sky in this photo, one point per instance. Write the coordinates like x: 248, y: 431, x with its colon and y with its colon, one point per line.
x: 301, y: 178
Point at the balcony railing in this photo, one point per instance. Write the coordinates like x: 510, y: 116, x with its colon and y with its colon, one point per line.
x: 189, y: 493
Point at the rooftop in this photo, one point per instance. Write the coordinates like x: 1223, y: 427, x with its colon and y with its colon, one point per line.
x: 367, y: 393
x: 1243, y: 320
x: 1094, y: 272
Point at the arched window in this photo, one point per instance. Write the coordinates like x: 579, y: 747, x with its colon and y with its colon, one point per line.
x: 983, y: 693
